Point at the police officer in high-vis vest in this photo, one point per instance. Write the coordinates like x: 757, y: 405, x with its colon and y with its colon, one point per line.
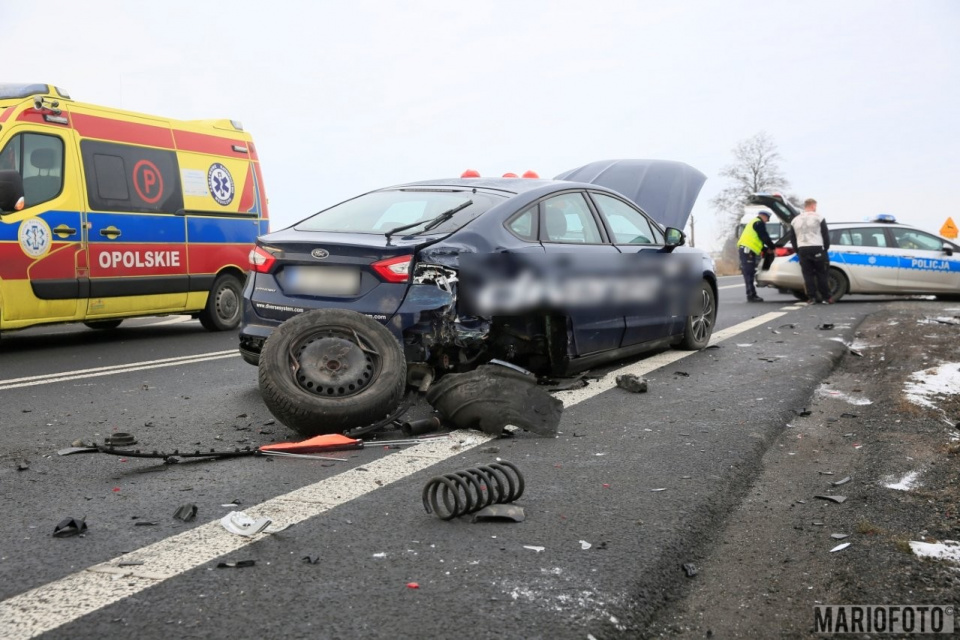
x: 752, y: 241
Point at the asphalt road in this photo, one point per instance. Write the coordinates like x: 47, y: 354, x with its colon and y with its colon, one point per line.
x: 643, y: 480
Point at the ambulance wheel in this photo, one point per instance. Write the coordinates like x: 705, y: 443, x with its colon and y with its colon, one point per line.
x: 700, y: 322
x: 222, y: 312
x: 329, y: 370
x: 838, y: 284
x: 103, y: 325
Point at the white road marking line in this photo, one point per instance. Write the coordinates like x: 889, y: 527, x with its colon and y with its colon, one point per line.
x: 29, y: 381
x: 57, y: 603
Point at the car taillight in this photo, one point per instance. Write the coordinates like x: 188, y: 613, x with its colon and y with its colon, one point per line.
x: 261, y: 260
x: 783, y: 252
x: 394, y: 269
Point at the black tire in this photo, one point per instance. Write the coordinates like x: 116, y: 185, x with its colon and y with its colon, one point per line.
x: 103, y: 325
x: 222, y: 312
x: 838, y: 283
x: 329, y: 370
x: 800, y: 295
x: 699, y: 326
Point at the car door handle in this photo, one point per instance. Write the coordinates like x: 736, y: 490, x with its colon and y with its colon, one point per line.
x: 63, y: 231
x: 110, y: 232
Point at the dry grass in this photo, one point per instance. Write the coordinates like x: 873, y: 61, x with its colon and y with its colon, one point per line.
x: 867, y: 528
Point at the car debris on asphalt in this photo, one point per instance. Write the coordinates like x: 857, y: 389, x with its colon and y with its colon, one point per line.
x: 471, y: 490
x: 238, y: 564
x: 690, y: 569
x: 492, y: 397
x: 186, y: 512
x: 632, y: 383
x: 239, y: 523
x: 500, y: 513
x: 837, y: 499
x: 69, y: 527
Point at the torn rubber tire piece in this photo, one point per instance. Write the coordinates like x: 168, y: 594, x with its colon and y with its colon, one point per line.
x: 329, y: 370
x: 492, y: 397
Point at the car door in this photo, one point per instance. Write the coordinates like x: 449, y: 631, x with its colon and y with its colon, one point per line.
x: 632, y: 233
x: 867, y: 257
x: 924, y: 265
x: 41, y: 246
x: 568, y: 227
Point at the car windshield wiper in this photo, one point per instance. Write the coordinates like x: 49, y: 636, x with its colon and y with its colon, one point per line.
x: 433, y: 222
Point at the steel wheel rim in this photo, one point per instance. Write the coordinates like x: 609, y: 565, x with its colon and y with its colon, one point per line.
x: 228, y: 304
x: 334, y: 362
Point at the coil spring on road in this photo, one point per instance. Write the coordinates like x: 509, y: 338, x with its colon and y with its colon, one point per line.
x: 470, y: 490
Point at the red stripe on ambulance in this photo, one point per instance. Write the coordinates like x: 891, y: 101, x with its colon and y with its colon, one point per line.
x: 122, y: 131
x: 200, y: 143
x: 211, y: 258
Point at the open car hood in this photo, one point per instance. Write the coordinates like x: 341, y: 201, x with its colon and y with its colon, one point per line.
x: 665, y: 189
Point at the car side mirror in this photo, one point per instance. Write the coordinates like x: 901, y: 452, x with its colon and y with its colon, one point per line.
x: 674, y: 237
x: 947, y: 249
x: 11, y: 191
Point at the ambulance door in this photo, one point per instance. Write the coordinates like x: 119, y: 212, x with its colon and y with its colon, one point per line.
x: 41, y: 246
x: 137, y: 232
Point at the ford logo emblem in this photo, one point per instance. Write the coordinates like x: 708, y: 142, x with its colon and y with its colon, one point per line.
x: 320, y: 254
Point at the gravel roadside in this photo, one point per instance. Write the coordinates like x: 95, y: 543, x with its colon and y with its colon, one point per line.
x: 887, y: 415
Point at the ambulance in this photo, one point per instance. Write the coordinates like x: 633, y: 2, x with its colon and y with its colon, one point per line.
x: 107, y: 214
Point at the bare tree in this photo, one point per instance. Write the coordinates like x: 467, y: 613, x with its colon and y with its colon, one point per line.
x: 755, y: 169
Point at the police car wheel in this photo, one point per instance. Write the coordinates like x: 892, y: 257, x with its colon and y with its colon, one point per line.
x: 700, y: 323
x: 222, y: 312
x: 103, y: 325
x: 329, y: 370
x: 800, y: 295
x: 838, y: 284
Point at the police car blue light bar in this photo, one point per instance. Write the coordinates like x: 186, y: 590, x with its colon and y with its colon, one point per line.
x: 882, y: 217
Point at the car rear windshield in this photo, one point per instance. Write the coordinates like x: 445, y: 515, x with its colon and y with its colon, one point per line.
x: 382, y: 211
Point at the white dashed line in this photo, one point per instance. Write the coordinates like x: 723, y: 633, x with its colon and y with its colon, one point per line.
x: 60, y: 602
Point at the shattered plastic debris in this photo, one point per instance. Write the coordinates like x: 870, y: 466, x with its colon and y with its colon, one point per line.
x: 72, y: 450
x: 585, y: 545
x: 533, y: 548
x: 186, y: 512
x: 413, y: 585
x: 501, y: 513
x: 682, y: 374
x: 689, y: 569
x: 841, y: 481
x: 69, y: 527
x: 837, y: 499
x: 239, y: 523
x: 840, y: 547
x: 632, y: 383
x: 656, y: 490
x: 311, y: 559
x: 839, y: 536
x: 802, y: 412
x: 491, y: 397
x: 23, y: 466
x: 826, y: 326
x: 848, y: 415
x: 239, y: 564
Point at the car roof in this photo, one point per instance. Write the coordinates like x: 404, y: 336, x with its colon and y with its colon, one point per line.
x: 512, y: 186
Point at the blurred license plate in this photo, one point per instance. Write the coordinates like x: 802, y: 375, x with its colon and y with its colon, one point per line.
x: 323, y: 281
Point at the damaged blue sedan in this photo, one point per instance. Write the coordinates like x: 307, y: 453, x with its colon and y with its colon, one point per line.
x: 398, y: 286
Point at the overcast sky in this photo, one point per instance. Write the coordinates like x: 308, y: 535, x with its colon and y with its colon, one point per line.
x: 343, y: 97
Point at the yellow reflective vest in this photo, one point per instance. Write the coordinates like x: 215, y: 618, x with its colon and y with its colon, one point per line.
x: 750, y: 238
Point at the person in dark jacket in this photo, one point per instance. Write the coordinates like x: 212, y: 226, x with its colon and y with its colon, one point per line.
x: 751, y: 244
x: 811, y: 240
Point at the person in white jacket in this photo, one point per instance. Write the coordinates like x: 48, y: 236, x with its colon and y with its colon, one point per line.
x: 811, y: 240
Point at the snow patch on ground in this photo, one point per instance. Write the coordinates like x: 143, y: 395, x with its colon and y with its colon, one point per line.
x: 948, y: 550
x: 826, y: 391
x: 922, y: 386
x: 905, y: 483
x: 561, y: 596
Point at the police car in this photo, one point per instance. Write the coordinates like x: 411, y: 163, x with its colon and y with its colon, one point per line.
x: 878, y: 256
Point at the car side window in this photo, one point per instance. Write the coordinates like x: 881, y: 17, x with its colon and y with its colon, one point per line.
x: 841, y: 237
x: 568, y: 220
x: 628, y: 225
x: 868, y: 237
x: 523, y: 225
x: 42, y: 173
x: 916, y: 240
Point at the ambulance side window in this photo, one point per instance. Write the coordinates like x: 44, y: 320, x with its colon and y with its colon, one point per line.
x: 42, y: 173
x: 123, y: 177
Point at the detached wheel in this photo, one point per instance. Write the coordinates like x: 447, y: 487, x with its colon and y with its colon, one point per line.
x: 103, y: 325
x: 838, y: 284
x: 328, y: 370
x: 700, y: 322
x: 222, y: 312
